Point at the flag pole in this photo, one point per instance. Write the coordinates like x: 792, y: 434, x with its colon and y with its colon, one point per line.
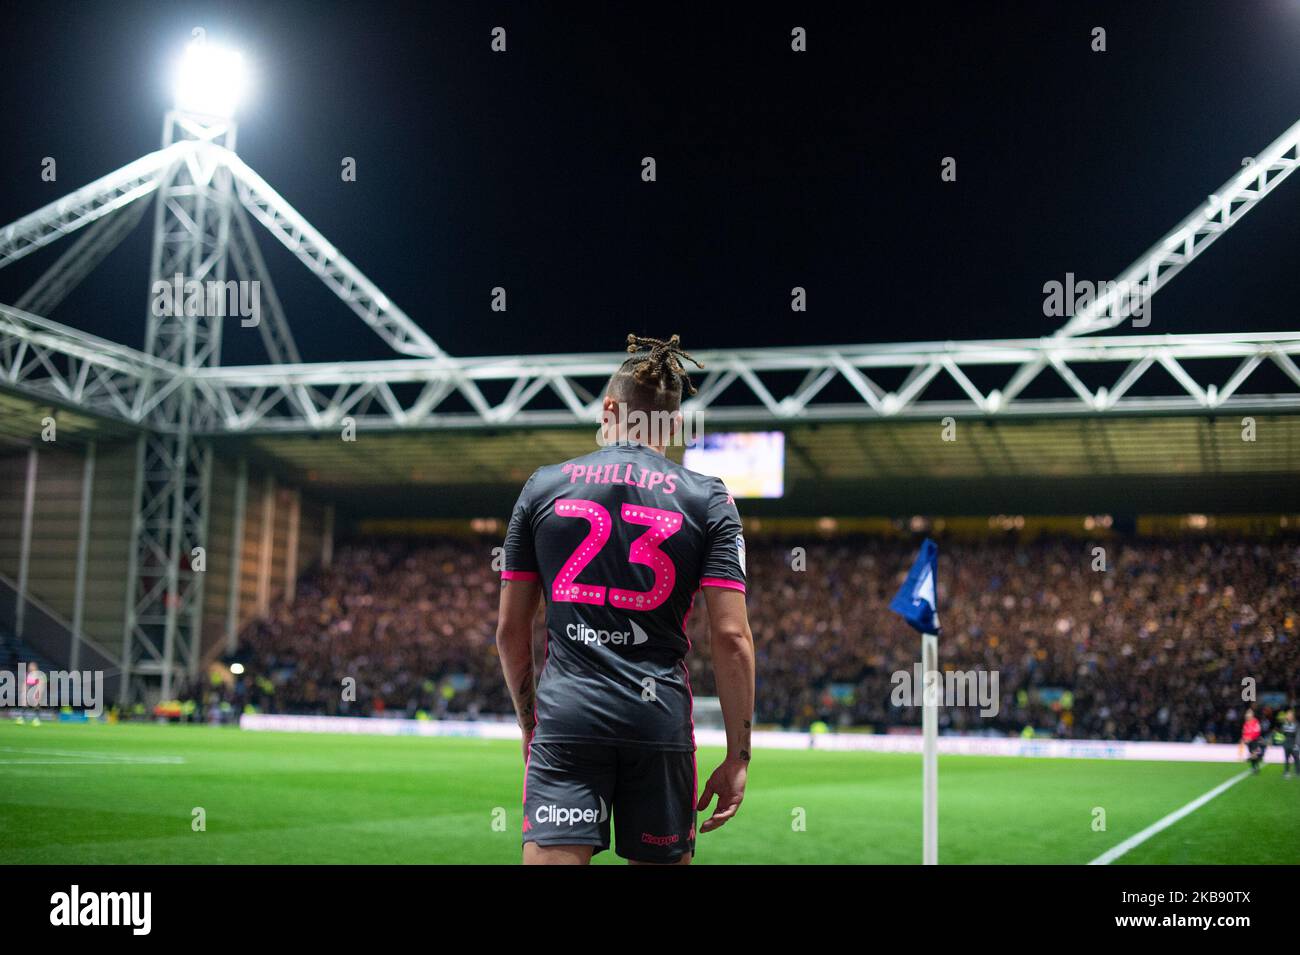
x: 930, y: 748
x: 917, y: 602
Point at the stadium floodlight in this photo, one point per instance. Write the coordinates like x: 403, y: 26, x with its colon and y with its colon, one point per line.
x: 209, y: 80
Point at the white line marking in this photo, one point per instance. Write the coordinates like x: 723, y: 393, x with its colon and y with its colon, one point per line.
x: 72, y: 763
x: 1132, y: 842
x: 70, y: 757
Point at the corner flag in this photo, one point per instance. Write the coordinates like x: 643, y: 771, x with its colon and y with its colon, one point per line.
x: 915, y: 601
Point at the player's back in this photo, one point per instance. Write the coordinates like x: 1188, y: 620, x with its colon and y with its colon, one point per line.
x: 621, y: 540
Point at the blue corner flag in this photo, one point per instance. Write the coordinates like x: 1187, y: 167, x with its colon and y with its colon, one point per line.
x: 915, y: 601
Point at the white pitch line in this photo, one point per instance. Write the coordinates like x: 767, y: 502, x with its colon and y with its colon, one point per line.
x: 77, y: 763
x: 68, y: 757
x: 1132, y: 842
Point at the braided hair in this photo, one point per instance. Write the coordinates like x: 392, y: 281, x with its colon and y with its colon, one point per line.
x: 654, y: 378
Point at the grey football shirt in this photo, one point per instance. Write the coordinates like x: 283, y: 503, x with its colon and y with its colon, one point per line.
x: 621, y: 540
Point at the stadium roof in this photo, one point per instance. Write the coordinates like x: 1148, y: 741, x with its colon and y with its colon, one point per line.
x: 1058, y: 465
x: 20, y: 422
x: 1037, y: 465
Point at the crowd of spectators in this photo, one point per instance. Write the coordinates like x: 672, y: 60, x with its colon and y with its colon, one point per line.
x: 1147, y: 639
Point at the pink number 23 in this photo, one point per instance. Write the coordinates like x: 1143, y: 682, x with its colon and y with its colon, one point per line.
x: 660, y: 525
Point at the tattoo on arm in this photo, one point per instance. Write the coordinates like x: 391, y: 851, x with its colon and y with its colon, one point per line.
x: 744, y: 751
x: 524, y: 701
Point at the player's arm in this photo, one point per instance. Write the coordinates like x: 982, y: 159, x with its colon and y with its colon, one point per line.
x: 521, y: 592
x: 518, y: 608
x: 732, y: 644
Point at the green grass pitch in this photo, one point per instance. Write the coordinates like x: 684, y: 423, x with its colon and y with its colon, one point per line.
x: 127, y: 794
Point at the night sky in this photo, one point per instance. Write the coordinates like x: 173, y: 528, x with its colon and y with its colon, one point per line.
x: 775, y: 168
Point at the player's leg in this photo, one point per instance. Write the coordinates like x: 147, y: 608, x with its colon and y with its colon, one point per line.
x: 568, y: 789
x: 654, y: 806
x: 557, y: 855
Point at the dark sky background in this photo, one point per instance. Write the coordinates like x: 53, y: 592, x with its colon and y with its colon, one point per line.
x: 775, y: 169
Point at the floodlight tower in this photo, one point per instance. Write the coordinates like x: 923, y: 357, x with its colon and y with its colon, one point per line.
x: 192, y: 218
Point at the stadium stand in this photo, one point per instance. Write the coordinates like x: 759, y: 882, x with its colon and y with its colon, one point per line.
x: 1155, y: 647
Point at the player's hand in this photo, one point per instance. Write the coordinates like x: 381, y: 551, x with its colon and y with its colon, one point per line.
x: 728, y: 784
x: 528, y: 740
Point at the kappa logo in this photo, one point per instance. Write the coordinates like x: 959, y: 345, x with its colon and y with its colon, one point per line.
x: 569, y: 815
x: 653, y: 840
x: 581, y: 633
